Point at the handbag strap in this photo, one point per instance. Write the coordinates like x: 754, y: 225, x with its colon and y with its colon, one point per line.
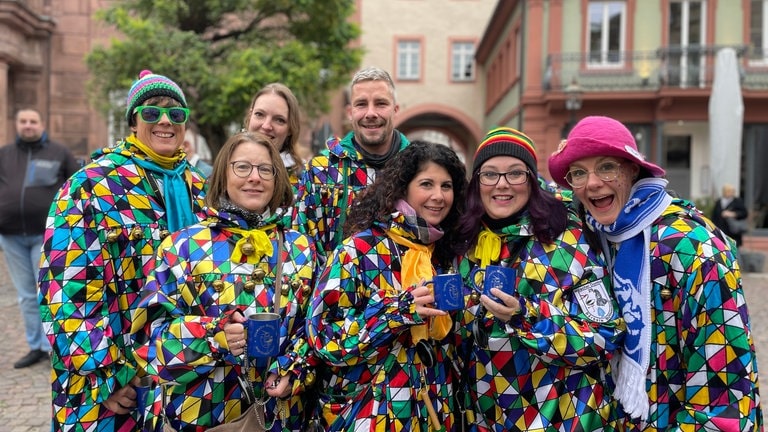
x: 278, y: 273
x: 276, y: 296
x: 245, y: 379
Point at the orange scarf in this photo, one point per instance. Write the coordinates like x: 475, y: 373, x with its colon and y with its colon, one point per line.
x: 416, y: 265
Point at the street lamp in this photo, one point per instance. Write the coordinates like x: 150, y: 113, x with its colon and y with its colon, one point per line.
x: 573, y: 95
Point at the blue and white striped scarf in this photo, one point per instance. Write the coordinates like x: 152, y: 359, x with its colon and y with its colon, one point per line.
x: 632, y: 287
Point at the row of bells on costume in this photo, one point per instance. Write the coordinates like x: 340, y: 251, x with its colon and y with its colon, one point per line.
x: 325, y: 190
x: 257, y: 278
x: 258, y: 275
x: 136, y: 233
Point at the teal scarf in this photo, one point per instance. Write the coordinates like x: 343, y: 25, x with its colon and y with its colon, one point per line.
x: 178, y: 203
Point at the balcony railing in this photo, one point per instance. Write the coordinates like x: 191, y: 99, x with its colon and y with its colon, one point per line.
x: 689, y: 67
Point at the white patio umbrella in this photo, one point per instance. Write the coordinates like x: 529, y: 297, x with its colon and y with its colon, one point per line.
x: 726, y: 118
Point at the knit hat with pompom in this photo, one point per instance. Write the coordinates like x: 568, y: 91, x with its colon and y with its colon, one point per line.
x: 150, y: 85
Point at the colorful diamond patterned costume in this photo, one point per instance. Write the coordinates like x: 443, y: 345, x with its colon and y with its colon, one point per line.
x: 548, y: 368
x: 359, y: 323
x: 101, y: 236
x: 197, y: 285
x: 326, y: 191
x: 703, y: 369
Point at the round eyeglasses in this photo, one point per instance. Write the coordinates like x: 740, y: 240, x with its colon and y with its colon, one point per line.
x: 514, y: 177
x: 244, y: 169
x: 605, y: 171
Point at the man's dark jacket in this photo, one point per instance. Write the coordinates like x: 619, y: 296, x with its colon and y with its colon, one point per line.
x: 31, y: 174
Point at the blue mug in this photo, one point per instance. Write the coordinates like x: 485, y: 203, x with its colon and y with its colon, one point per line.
x: 499, y: 277
x: 263, y: 334
x: 449, y: 292
x: 145, y: 387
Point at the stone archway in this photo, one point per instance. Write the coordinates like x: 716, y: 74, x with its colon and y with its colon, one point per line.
x: 443, y: 124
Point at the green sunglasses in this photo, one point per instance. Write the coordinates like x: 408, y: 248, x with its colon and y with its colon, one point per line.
x: 153, y: 114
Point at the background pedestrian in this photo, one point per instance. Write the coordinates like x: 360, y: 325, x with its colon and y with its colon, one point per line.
x: 32, y: 169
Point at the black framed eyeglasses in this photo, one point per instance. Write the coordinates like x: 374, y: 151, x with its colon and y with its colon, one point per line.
x: 244, y: 169
x: 514, y: 177
x: 153, y: 114
x: 605, y: 171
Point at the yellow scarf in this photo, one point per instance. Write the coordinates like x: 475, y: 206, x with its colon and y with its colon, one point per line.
x: 256, y: 238
x: 167, y: 162
x: 488, y: 247
x: 416, y: 265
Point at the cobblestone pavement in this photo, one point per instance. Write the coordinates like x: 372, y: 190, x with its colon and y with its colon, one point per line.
x: 25, y: 399
x: 25, y: 394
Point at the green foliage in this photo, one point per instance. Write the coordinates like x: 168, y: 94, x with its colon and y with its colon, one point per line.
x: 222, y: 51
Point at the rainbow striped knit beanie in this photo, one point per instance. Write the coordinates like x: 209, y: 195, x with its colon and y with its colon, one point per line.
x: 150, y: 85
x: 505, y: 141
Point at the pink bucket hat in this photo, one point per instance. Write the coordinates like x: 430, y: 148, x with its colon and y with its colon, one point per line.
x: 597, y: 136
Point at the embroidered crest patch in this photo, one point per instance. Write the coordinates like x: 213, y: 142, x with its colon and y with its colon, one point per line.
x: 594, y: 301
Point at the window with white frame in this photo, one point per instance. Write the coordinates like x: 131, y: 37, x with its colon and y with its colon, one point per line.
x: 607, y: 25
x: 463, y: 61
x: 408, y: 60
x: 758, y: 31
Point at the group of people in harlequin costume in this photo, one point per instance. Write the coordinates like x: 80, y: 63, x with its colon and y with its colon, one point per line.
x: 595, y: 302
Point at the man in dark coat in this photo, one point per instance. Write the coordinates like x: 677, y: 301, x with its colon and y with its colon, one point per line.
x: 729, y: 206
x: 32, y: 169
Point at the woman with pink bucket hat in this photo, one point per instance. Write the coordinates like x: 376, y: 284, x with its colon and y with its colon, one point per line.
x: 688, y: 360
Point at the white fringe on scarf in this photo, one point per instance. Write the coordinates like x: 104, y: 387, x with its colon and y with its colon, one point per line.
x: 630, y: 386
